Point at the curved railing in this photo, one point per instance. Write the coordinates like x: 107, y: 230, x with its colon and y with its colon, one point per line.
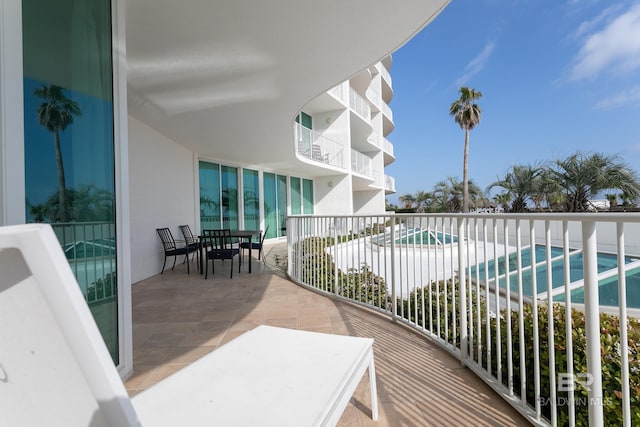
x: 485, y: 287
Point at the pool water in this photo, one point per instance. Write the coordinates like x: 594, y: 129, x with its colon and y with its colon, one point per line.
x: 608, y: 288
x: 421, y: 236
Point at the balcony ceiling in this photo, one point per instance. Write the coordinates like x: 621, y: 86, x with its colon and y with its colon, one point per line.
x: 226, y: 78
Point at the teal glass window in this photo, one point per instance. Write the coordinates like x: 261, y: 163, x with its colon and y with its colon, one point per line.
x: 307, y: 196
x: 69, y: 143
x: 229, y: 197
x: 282, y: 204
x: 296, y: 196
x: 251, y: 200
x: 210, y: 217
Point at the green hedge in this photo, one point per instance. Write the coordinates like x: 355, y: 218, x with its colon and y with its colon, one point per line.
x: 609, y: 341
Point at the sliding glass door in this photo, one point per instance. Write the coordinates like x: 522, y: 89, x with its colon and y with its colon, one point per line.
x: 69, y: 143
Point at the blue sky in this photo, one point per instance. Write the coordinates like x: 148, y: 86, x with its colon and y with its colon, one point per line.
x: 557, y: 77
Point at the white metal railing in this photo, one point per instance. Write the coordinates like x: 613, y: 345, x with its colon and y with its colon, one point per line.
x: 360, y: 105
x: 387, y: 146
x: 384, y: 73
x: 90, y: 248
x: 339, y: 93
x: 361, y: 163
x: 481, y: 286
x: 375, y: 138
x: 389, y: 183
x: 386, y: 110
x: 319, y: 148
x: 375, y: 97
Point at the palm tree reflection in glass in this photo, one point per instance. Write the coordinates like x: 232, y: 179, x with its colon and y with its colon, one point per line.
x: 56, y: 113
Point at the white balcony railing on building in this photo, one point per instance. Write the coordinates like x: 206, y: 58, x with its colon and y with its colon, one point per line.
x: 360, y: 105
x: 384, y: 73
x: 339, y: 93
x: 375, y: 97
x: 529, y: 302
x: 319, y: 148
x: 389, y: 183
x: 375, y: 138
x: 90, y: 248
x: 361, y: 163
x: 386, y: 110
x: 387, y: 146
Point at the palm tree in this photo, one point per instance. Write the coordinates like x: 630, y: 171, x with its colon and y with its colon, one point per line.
x: 521, y: 184
x: 583, y: 176
x: 467, y: 114
x: 448, y: 195
x: 423, y: 200
x: 407, y: 200
x: 503, y: 200
x: 55, y: 114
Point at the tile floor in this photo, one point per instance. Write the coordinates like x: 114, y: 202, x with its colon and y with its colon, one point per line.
x: 178, y: 318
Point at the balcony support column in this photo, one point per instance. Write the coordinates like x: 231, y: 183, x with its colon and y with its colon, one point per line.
x: 592, y: 323
x: 462, y: 287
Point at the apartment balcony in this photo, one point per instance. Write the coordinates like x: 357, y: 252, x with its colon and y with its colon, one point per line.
x: 389, y: 184
x: 178, y: 318
x: 375, y: 98
x: 361, y: 163
x: 376, y: 139
x: 359, y: 105
x: 316, y: 147
x: 531, y: 303
x: 387, y: 148
x: 384, y: 73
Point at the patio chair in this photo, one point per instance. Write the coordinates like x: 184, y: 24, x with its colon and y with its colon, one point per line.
x: 170, y: 248
x: 256, y: 245
x: 218, y: 245
x: 316, y: 154
x: 190, y: 240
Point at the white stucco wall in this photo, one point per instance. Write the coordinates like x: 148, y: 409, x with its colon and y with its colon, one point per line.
x: 162, y: 194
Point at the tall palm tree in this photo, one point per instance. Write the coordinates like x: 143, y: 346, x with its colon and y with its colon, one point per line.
x: 521, y: 183
x: 583, y: 176
x: 56, y: 113
x: 467, y: 114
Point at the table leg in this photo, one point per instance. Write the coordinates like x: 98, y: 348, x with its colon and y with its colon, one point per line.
x: 250, y: 249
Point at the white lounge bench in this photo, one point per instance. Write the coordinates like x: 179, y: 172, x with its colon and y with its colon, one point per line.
x: 55, y: 368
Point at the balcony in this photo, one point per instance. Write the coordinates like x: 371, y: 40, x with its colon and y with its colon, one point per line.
x: 318, y: 148
x: 360, y: 163
x: 492, y: 287
x: 389, y: 184
x: 359, y: 105
x: 384, y: 73
x: 177, y: 318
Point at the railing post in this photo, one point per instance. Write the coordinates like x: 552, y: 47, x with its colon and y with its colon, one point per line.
x: 462, y: 287
x: 592, y: 322
x: 335, y: 255
x: 394, y: 304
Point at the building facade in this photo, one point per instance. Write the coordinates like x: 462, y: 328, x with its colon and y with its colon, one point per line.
x: 117, y: 118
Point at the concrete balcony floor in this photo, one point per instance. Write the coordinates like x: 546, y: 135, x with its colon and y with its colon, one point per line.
x: 178, y: 318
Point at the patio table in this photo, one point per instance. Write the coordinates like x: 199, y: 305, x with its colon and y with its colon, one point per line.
x: 240, y: 234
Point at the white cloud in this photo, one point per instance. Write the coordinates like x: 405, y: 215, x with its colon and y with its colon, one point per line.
x: 476, y: 64
x: 621, y: 99
x: 588, y: 26
x: 614, y: 48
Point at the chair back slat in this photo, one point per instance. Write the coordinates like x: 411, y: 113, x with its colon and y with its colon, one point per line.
x: 167, y: 238
x: 189, y: 238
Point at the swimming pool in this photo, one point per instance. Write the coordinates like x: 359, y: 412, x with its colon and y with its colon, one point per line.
x: 608, y: 288
x: 419, y: 236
